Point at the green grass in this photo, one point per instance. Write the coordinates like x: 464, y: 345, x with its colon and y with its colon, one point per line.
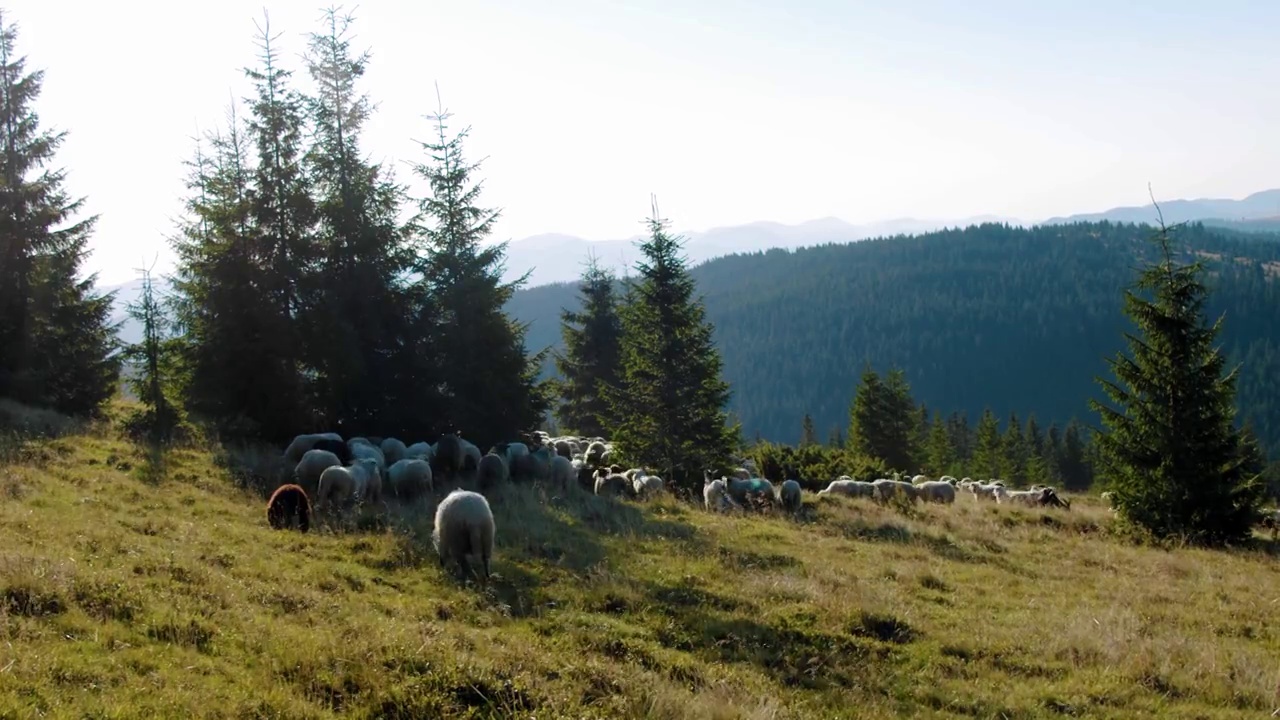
x: 135, y: 584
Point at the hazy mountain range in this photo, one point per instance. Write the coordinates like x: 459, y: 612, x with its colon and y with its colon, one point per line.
x: 552, y: 258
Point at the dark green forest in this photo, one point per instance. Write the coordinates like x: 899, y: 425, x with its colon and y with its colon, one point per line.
x: 991, y: 316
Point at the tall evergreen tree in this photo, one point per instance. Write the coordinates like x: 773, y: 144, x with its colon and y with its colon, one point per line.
x: 883, y: 419
x: 153, y: 364
x: 987, y: 451
x: 359, y: 328
x: 1014, y: 453
x: 1176, y: 462
x: 490, y: 387
x: 57, y: 346
x: 591, y: 356
x: 940, y: 453
x: 808, y: 435
x: 669, y: 408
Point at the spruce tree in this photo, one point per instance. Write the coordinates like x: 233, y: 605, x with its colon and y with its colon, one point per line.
x: 359, y: 333
x: 808, y: 435
x: 592, y: 346
x: 883, y: 419
x: 669, y: 407
x: 940, y: 453
x: 1174, y: 458
x: 490, y: 387
x: 57, y: 346
x: 152, y: 359
x: 1014, y: 455
x: 987, y: 451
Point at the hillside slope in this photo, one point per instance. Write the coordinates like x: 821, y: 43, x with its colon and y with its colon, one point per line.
x: 1016, y: 319
x: 130, y: 588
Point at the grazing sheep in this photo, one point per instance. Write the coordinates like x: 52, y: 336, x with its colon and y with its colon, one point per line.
x: 756, y: 492
x: 410, y: 478
x: 939, y: 491
x: 790, y: 496
x: 289, y: 506
x: 302, y: 443
x: 368, y: 479
x: 715, y: 494
x: 851, y: 488
x: 563, y: 474
x: 741, y: 473
x: 919, y: 479
x: 564, y: 449
x: 366, y: 451
x: 311, y: 466
x: 335, y: 489
x: 611, y: 484
x: 595, y: 453
x: 446, y: 461
x: 337, y: 447
x: 540, y: 464
x: 419, y: 450
x: 949, y: 479
x: 470, y: 458
x: 982, y: 491
x: 393, y: 451
x: 464, y: 526
x: 887, y: 489
x: 645, y: 485
x: 491, y: 472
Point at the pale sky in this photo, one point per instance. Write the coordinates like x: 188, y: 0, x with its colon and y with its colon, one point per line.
x: 730, y: 111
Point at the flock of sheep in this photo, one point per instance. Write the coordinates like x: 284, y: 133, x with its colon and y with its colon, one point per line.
x: 743, y: 489
x: 340, y: 474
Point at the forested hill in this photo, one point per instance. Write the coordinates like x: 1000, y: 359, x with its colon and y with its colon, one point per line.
x: 1016, y: 319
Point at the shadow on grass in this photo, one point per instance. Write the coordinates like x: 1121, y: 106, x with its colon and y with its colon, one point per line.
x: 154, y: 469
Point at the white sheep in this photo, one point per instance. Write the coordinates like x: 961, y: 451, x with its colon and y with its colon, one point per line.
x: 790, y: 495
x: 715, y: 495
x: 492, y: 471
x: 419, y: 450
x: 302, y: 443
x: 939, y: 491
x: 563, y: 474
x: 595, y: 453
x: 335, y: 488
x: 850, y: 488
x: 464, y: 526
x: 611, y: 484
x: 645, y: 485
x: 470, y: 457
x: 983, y: 491
x: 949, y: 479
x: 919, y: 479
x: 886, y: 490
x: 366, y: 451
x: 313, y: 463
x: 393, y: 451
x: 368, y: 479
x: 409, y: 478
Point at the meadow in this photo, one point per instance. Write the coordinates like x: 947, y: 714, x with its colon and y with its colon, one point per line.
x: 142, y: 584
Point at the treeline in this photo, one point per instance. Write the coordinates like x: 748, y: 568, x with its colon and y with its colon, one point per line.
x: 301, y: 301
x: 57, y: 345
x: 889, y: 432
x: 1018, y: 320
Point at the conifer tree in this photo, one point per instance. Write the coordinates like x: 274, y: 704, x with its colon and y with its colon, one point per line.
x: 490, y: 388
x: 883, y: 419
x: 1014, y: 453
x: 359, y: 333
x: 592, y: 345
x: 1175, y: 460
x: 669, y: 408
x: 987, y: 451
x: 57, y: 346
x: 152, y: 358
x: 940, y: 453
x: 808, y: 435
x: 835, y: 439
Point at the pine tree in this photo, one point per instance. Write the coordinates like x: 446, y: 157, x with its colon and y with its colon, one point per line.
x: 1014, y: 453
x: 360, y: 333
x: 669, y: 408
x: 152, y: 358
x: 57, y: 346
x: 940, y: 452
x: 808, y: 436
x: 591, y: 357
x: 987, y: 452
x: 491, y: 390
x: 1176, y: 462
x: 883, y: 419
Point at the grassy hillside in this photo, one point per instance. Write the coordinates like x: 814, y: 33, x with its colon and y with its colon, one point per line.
x: 138, y: 587
x: 1016, y: 319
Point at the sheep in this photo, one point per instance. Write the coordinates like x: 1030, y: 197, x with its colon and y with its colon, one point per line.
x: 540, y: 464
x: 302, y: 443
x: 563, y: 474
x: 564, y: 449
x: 409, y: 478
x: 611, y: 484
x: 790, y: 496
x: 470, y: 458
x: 756, y: 491
x: 336, y: 487
x: 366, y: 451
x: 919, y: 479
x: 491, y: 471
x: 889, y: 489
x: 337, y: 447
x: 595, y: 453
x: 949, y: 479
x: 849, y: 487
x: 464, y: 526
x: 312, y: 466
x: 1022, y: 497
x: 289, y: 505
x: 368, y: 479
x: 446, y: 461
x: 741, y: 473
x: 981, y: 491
x: 393, y: 451
x: 715, y: 494
x: 419, y: 450
x: 939, y: 491
x: 645, y: 485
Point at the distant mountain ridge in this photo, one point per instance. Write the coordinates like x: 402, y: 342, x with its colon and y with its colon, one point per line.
x: 1260, y: 205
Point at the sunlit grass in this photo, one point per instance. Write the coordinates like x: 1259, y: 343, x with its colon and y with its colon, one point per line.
x: 137, y: 583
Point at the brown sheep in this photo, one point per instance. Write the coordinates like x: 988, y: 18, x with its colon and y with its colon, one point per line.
x: 288, y: 504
